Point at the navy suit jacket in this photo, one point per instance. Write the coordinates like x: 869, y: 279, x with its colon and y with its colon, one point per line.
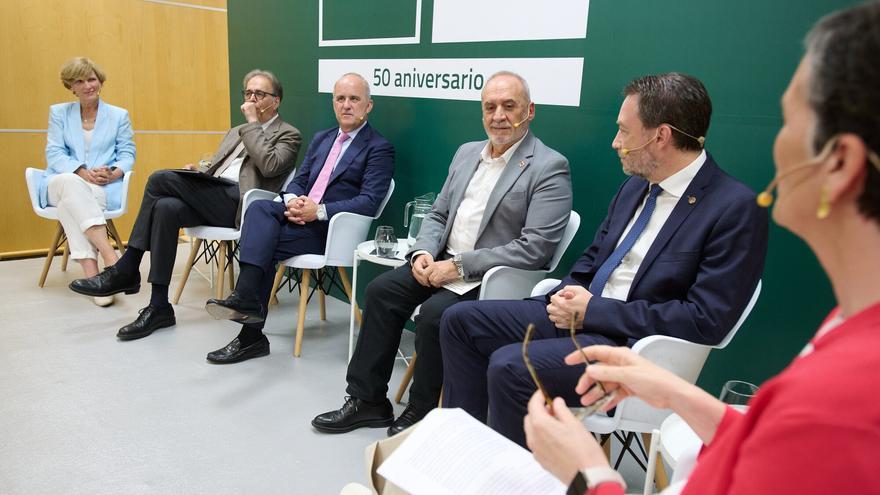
x: 699, y: 273
x: 360, y: 180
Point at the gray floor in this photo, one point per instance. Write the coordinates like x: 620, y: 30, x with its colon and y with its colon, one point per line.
x: 81, y: 412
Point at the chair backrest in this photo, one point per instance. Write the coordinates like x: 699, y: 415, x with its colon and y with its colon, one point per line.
x: 32, y: 176
x: 742, y: 317
x: 574, y: 223
x: 123, y: 205
x: 347, y: 230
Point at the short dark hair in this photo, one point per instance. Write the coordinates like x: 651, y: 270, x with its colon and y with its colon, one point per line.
x: 676, y: 99
x: 276, y: 84
x: 844, y: 85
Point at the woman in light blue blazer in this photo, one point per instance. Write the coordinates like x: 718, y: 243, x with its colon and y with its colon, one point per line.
x: 89, y: 149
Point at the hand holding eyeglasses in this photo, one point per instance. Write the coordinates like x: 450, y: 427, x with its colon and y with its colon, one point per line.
x: 603, y: 397
x: 624, y: 373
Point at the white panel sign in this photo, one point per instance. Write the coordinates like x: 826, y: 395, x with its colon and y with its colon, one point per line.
x: 507, y: 20
x: 552, y: 81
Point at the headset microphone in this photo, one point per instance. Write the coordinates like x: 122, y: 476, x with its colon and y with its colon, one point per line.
x: 521, y: 122
x: 765, y: 198
x: 626, y: 151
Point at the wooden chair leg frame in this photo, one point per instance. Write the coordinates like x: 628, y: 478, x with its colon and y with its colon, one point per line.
x: 56, y: 241
x: 303, y: 302
x: 194, y: 251
x: 661, y: 480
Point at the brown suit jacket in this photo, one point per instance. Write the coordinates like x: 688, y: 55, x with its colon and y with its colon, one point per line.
x: 270, y: 156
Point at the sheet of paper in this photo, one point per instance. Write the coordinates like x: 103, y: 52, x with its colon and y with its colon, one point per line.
x: 460, y: 286
x: 451, y: 453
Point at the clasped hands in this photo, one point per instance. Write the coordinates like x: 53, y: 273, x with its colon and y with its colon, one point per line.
x: 100, y: 176
x: 570, y: 300
x: 432, y: 273
x: 301, y: 210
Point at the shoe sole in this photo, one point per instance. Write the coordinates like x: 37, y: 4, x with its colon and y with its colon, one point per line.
x: 129, y: 291
x: 239, y: 359
x: 374, y: 423
x: 219, y: 312
x: 160, y: 325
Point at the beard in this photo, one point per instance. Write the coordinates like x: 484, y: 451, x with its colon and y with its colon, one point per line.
x: 642, y: 165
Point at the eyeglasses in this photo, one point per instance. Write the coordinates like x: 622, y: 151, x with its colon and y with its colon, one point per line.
x: 259, y: 94
x: 585, y: 411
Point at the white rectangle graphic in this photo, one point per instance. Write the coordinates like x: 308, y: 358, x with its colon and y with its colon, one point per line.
x: 457, y: 21
x: 552, y: 81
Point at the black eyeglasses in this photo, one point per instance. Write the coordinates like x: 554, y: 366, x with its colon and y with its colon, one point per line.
x: 585, y: 411
x: 259, y: 94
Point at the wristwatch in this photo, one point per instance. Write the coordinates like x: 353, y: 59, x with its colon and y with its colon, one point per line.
x: 456, y: 260
x: 589, y: 478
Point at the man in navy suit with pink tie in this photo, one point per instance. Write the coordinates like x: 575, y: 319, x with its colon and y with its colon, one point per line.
x: 679, y: 253
x: 346, y: 168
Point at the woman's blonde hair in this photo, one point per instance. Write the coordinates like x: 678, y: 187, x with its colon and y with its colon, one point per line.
x: 80, y: 68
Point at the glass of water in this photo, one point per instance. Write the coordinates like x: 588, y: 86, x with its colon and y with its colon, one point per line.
x: 386, y: 241
x: 737, y: 393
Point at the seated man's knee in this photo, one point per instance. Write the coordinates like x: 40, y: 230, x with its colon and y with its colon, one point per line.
x: 452, y: 322
x: 158, y: 178
x: 166, y: 208
x: 380, y: 288
x: 506, y: 368
x: 262, y: 207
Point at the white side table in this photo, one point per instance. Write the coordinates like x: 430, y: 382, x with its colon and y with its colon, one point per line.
x: 366, y: 251
x: 676, y: 438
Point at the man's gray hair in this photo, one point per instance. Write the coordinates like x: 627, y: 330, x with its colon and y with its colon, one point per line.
x: 276, y: 84
x: 362, y: 78
x: 518, y: 77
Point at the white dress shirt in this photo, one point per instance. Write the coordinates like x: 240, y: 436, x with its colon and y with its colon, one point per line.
x: 234, y: 168
x: 469, y: 215
x: 322, y: 210
x: 674, y: 186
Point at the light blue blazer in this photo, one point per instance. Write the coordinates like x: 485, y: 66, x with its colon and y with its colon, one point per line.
x: 112, y: 145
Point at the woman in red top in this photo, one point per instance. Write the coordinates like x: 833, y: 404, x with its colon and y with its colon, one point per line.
x: 814, y: 428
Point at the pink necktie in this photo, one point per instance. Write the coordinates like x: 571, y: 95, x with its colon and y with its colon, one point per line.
x: 320, y: 186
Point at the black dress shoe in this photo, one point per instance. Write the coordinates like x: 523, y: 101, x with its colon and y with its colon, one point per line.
x: 411, y: 415
x: 110, y: 281
x: 149, y: 320
x: 235, y: 308
x: 354, y: 414
x: 235, y: 353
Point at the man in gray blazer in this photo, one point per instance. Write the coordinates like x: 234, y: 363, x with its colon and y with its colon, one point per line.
x: 258, y: 154
x: 506, y: 201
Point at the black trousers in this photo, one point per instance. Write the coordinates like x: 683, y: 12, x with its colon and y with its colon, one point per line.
x: 389, y: 302
x: 172, y: 201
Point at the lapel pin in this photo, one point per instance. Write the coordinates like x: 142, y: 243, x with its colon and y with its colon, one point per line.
x: 691, y: 200
x: 522, y: 163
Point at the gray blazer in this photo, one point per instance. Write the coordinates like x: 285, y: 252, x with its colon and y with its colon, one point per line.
x: 526, y: 213
x: 270, y: 155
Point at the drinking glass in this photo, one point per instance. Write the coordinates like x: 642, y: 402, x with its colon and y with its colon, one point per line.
x: 386, y: 241
x: 737, y: 393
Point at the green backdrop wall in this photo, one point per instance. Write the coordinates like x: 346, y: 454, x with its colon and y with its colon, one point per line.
x: 744, y: 52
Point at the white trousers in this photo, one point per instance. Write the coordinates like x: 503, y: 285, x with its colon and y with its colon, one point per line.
x: 80, y: 206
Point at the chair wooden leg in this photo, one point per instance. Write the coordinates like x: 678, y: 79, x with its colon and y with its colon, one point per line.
x: 51, y: 254
x: 606, y: 447
x: 322, y: 302
x: 230, y: 268
x: 407, y: 377
x: 194, y: 251
x: 66, y: 250
x: 279, y: 274
x: 661, y: 480
x: 347, y: 286
x: 221, y: 268
x: 301, y: 319
x: 111, y: 227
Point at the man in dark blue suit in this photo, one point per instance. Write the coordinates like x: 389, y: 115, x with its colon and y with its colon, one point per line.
x: 679, y: 253
x: 346, y: 168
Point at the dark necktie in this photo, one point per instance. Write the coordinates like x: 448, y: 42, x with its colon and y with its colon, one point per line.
x: 604, y: 272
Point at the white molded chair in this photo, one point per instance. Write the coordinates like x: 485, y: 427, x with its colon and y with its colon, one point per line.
x: 505, y: 282
x: 345, y: 232
x: 223, y: 253
x: 32, y: 177
x: 685, y: 359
